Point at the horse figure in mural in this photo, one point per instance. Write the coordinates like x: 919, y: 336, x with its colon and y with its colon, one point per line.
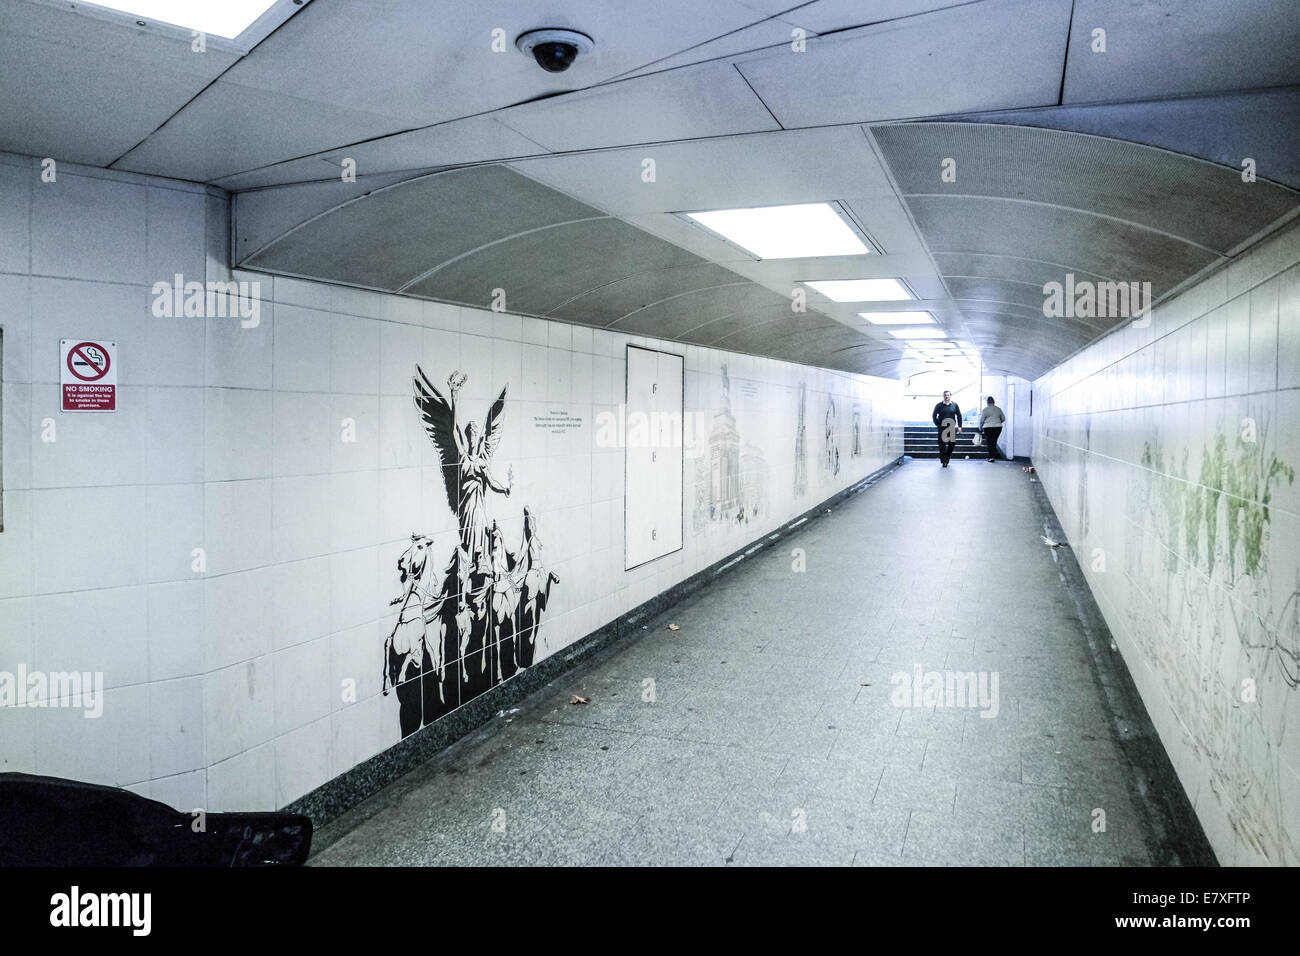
x: 471, y: 633
x: 409, y: 659
x: 534, y: 591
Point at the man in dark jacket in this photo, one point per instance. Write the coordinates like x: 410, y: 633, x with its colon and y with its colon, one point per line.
x: 947, y: 419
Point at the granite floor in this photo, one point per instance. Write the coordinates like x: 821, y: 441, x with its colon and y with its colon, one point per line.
x: 768, y: 729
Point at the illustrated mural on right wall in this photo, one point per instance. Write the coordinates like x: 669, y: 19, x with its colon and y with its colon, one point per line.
x: 1177, y: 487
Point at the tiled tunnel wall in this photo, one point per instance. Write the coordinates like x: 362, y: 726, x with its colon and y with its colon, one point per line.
x: 1169, y: 453
x: 291, y: 452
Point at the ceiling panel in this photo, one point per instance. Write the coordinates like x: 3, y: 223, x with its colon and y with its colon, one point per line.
x: 232, y: 128
x: 1222, y: 128
x: 392, y: 236
x: 711, y: 99
x: 1194, y: 200
x: 645, y: 289
x: 472, y: 140
x: 767, y: 33
x: 998, y: 54
x: 1106, y: 247
x: 1026, y: 294
x: 1034, y: 271
x: 542, y: 270
x: 71, y: 86
x: 1162, y: 48
x: 426, y: 61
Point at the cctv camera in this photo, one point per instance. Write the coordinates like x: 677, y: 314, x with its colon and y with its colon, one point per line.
x: 554, y: 50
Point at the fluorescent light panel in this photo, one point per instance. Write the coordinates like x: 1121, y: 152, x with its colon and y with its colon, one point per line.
x: 861, y: 290
x: 918, y: 333
x: 221, y: 18
x: 898, y: 318
x: 785, y: 232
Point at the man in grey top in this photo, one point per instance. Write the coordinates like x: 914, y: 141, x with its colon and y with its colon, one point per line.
x: 991, y: 422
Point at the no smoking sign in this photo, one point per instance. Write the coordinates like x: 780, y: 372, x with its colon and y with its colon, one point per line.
x: 88, y: 375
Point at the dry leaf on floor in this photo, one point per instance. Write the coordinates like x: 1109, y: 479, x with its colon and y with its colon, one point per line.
x: 673, y: 627
x: 575, y: 699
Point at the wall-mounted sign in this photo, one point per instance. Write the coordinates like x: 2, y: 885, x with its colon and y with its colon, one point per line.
x: 88, y: 375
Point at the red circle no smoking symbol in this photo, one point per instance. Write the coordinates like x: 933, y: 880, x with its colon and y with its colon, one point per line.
x: 88, y: 362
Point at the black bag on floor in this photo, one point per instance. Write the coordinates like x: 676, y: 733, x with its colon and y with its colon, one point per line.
x: 48, y: 821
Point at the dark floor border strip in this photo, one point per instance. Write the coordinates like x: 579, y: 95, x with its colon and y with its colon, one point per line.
x: 337, y: 796
x: 1174, y: 834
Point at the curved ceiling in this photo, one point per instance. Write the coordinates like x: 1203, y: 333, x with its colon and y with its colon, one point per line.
x: 462, y: 235
x: 476, y: 170
x: 1028, y: 206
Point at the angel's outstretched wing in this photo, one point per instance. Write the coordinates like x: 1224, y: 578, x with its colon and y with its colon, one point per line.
x: 440, y: 425
x: 496, y: 416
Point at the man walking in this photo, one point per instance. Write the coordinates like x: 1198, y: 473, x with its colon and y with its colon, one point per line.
x: 947, y: 419
x: 991, y: 422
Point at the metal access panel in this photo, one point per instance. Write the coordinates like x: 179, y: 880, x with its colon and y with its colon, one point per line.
x: 653, y: 494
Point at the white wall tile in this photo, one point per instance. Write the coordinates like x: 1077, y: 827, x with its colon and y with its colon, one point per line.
x: 238, y: 713
x: 239, y: 356
x: 301, y: 757
x: 302, y: 348
x: 237, y: 434
x: 301, y: 601
x: 243, y: 784
x: 176, y: 235
x: 66, y: 557
x: 16, y: 327
x: 174, y: 528
x: 1263, y: 336
x: 88, y: 228
x: 354, y: 355
x: 237, y: 525
x: 237, y: 619
x: 176, y: 726
x: 354, y: 444
x: 175, y: 629
x: 15, y: 216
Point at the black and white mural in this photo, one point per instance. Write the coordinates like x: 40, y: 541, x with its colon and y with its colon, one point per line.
x: 830, y: 459
x: 731, y: 473
x: 801, y: 445
x: 465, y: 629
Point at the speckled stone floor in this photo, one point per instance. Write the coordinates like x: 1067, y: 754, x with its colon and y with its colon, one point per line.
x: 768, y: 730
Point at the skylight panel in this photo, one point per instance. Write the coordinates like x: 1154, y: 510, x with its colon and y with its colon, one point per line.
x: 220, y: 18
x: 785, y: 232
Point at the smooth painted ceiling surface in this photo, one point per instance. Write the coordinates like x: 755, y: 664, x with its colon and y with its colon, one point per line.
x: 736, y: 103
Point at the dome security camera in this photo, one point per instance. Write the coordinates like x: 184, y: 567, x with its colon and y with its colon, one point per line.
x: 554, y: 50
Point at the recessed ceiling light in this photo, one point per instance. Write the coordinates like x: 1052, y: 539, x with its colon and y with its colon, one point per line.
x: 861, y: 290
x: 918, y: 333
x: 785, y: 232
x: 897, y: 318
x: 220, y: 18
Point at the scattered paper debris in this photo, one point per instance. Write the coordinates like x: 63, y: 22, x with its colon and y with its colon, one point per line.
x: 673, y: 627
x: 575, y: 699
x: 1050, y: 542
x: 1028, y: 469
